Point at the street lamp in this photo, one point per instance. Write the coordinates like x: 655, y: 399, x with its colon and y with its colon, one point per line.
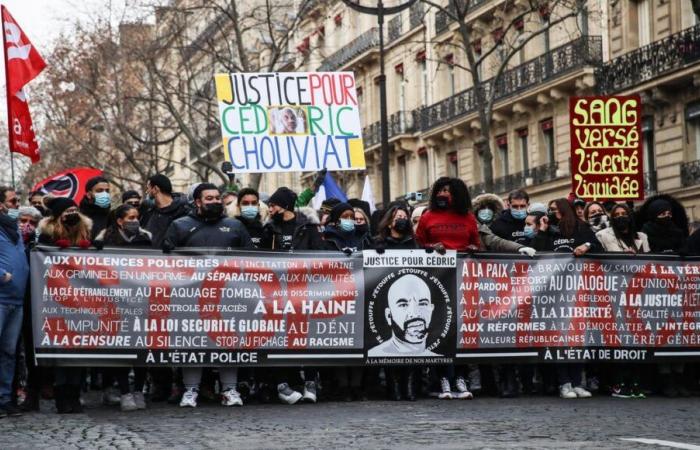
x: 380, y: 10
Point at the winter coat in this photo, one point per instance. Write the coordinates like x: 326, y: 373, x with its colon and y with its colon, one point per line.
x: 45, y: 230
x: 99, y: 216
x: 305, y: 235
x: 390, y: 243
x: 664, y: 239
x: 157, y: 220
x: 13, y: 260
x: 492, y: 243
x: 194, y: 231
x: 117, y: 239
x: 553, y: 241
x: 507, y: 227
x: 256, y: 230
x: 611, y: 243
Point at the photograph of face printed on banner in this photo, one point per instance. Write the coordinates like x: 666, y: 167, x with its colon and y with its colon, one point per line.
x: 287, y: 120
x: 410, y: 304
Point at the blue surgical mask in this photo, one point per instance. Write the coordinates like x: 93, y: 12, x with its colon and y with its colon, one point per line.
x: 13, y: 213
x: 249, y: 212
x: 518, y: 214
x: 102, y: 199
x: 485, y: 215
x: 529, y: 231
x: 347, y: 225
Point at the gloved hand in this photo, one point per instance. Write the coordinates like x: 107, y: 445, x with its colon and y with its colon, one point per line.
x: 347, y: 251
x: 62, y: 243
x: 440, y: 248
x: 380, y: 247
x: 99, y: 245
x: 429, y: 249
x: 529, y: 251
x: 167, y: 247
x: 320, y: 176
x: 84, y: 244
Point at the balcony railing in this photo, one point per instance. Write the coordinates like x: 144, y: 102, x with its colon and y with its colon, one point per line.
x: 690, y: 173
x: 394, y: 29
x: 443, y: 19
x: 646, y: 63
x: 415, y: 15
x: 581, y: 52
x: 401, y: 122
x: 536, y: 175
x: 367, y: 40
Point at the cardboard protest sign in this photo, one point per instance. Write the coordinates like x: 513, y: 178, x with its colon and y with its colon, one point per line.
x: 290, y: 122
x: 606, y: 148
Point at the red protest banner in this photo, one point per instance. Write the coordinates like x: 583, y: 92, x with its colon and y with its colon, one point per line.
x: 606, y: 148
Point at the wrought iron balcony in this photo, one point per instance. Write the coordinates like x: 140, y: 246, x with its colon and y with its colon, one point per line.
x: 690, y: 173
x: 366, y: 41
x: 650, y: 183
x: 646, y: 63
x: 415, y: 15
x: 584, y: 51
x: 394, y: 29
x: 401, y: 122
x: 537, y: 175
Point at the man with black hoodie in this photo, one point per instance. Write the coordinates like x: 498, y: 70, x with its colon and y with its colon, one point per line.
x: 510, y: 224
x: 249, y: 206
x: 163, y: 208
x: 95, y: 204
x: 286, y: 231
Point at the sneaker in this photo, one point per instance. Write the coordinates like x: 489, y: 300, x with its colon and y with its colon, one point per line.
x: 287, y: 395
x: 566, y: 391
x: 110, y: 397
x: 445, y: 390
x: 620, y: 391
x: 10, y: 410
x: 582, y: 393
x: 140, y: 400
x: 475, y: 380
x: 462, y: 391
x: 127, y: 403
x: 593, y: 384
x: 310, y: 392
x: 636, y: 391
x: 189, y: 398
x: 231, y: 397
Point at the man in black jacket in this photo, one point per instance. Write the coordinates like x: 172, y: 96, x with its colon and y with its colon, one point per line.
x: 96, y: 204
x: 249, y: 207
x: 207, y: 226
x: 510, y: 224
x: 164, y: 207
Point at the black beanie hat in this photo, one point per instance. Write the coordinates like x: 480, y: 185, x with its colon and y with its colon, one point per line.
x: 338, y: 210
x: 658, y: 206
x: 283, y: 197
x: 59, y: 204
x: 128, y: 195
x: 93, y: 181
x: 328, y: 204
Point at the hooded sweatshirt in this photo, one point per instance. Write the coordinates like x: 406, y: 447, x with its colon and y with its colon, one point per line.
x: 157, y: 220
x: 98, y: 215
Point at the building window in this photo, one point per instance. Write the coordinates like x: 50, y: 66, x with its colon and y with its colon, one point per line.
x: 547, y: 127
x: 522, y: 138
x: 582, y: 20
x: 502, y: 145
x: 644, y: 22
x: 692, y: 117
x: 424, y: 168
x: 452, y: 165
x: 688, y: 17
x: 403, y: 176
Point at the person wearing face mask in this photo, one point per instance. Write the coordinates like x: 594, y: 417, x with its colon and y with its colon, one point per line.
x: 96, y: 204
x: 666, y: 224
x: 124, y: 230
x: 488, y: 207
x: 342, y: 232
x: 161, y: 207
x: 65, y: 227
x: 249, y: 208
x: 288, y: 230
x: 509, y: 223
x: 362, y: 221
x: 14, y: 273
x: 595, y: 216
x: 36, y: 199
x: 622, y: 236
x: 207, y: 226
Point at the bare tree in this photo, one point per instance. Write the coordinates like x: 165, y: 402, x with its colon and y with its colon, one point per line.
x: 513, y: 28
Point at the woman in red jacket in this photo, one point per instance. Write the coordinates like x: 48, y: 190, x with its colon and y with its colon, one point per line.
x: 449, y: 224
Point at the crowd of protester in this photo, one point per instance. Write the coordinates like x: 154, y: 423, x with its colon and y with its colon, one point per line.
x: 211, y: 217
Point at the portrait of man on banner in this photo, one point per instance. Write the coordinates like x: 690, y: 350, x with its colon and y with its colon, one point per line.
x: 287, y: 120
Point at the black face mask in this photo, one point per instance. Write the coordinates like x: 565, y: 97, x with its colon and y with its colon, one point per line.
x: 361, y: 229
x: 42, y: 210
x: 665, y: 221
x: 402, y: 225
x: 442, y: 201
x: 212, y: 210
x: 71, y: 219
x: 278, y: 218
x: 621, y: 223
x: 552, y: 218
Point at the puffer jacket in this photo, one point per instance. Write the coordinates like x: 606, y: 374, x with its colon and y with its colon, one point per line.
x: 489, y: 241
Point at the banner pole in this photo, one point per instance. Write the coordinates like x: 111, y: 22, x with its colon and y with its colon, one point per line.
x: 7, y: 99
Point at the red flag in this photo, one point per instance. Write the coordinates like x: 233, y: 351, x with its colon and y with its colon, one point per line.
x: 22, y: 64
x: 69, y: 183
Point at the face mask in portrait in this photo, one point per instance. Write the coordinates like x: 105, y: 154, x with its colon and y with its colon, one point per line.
x: 529, y: 231
x: 518, y: 214
x: 131, y: 227
x: 347, y: 225
x: 249, y: 212
x: 442, y: 201
x: 149, y: 201
x: 598, y: 222
x: 362, y: 229
x: 485, y: 215
x: 71, y: 219
x: 278, y: 217
x: 102, y: 199
x: 13, y: 213
x: 213, y: 210
x: 402, y: 225
x: 27, y: 230
x: 621, y: 223
x: 552, y: 217
x: 665, y: 221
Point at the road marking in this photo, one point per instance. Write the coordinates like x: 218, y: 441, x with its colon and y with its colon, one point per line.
x: 84, y: 355
x: 663, y: 443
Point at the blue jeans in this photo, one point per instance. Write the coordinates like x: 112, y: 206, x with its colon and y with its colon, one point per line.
x: 10, y: 328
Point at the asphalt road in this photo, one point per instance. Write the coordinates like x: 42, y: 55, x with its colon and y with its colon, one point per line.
x: 527, y: 422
